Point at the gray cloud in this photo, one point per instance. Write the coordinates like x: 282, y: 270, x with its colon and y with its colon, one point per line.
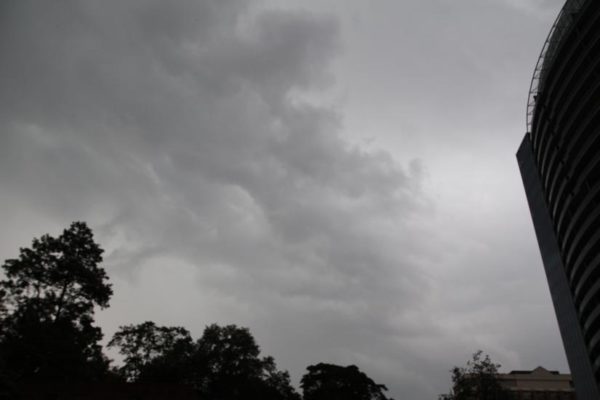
x: 200, y: 141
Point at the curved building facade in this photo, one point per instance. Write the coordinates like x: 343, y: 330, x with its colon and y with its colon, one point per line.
x: 559, y: 160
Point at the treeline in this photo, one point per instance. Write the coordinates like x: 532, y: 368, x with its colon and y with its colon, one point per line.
x: 47, y: 335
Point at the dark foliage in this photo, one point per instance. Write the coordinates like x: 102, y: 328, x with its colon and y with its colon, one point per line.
x: 107, y: 391
x: 153, y: 352
x: 223, y: 364
x: 47, y: 304
x: 334, y: 382
x: 49, y: 344
x: 476, y: 381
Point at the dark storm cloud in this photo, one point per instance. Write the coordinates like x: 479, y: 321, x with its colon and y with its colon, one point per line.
x: 447, y: 81
x: 197, y: 139
x: 183, y: 133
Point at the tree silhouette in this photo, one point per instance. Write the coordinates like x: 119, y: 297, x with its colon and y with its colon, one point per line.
x: 334, y: 382
x: 47, y: 305
x: 47, y: 335
x: 477, y: 380
x: 233, y: 369
x: 152, y: 352
x: 223, y: 364
x: 277, y: 383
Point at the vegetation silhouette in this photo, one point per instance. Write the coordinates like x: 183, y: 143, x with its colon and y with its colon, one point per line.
x: 477, y: 380
x: 50, y: 347
x: 153, y: 352
x: 47, y: 302
x: 334, y: 382
x: 224, y: 363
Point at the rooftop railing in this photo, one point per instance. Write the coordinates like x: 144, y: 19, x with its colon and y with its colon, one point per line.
x: 561, y: 26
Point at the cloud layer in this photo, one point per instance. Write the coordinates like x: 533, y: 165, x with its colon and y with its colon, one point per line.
x: 194, y: 138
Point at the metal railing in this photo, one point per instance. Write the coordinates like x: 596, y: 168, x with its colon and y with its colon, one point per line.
x: 560, y: 27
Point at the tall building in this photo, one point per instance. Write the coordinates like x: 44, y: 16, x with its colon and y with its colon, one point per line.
x: 559, y: 160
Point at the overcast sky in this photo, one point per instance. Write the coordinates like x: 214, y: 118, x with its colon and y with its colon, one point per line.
x: 337, y: 175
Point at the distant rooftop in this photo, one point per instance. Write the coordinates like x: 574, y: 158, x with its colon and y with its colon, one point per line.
x: 538, y: 383
x: 538, y: 370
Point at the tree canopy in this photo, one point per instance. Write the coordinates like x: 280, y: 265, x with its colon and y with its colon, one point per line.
x: 334, y: 382
x: 150, y: 350
x: 224, y: 363
x: 48, y: 297
x: 477, y: 380
x: 60, y: 277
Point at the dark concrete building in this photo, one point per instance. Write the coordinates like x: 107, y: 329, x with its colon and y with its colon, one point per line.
x: 559, y: 160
